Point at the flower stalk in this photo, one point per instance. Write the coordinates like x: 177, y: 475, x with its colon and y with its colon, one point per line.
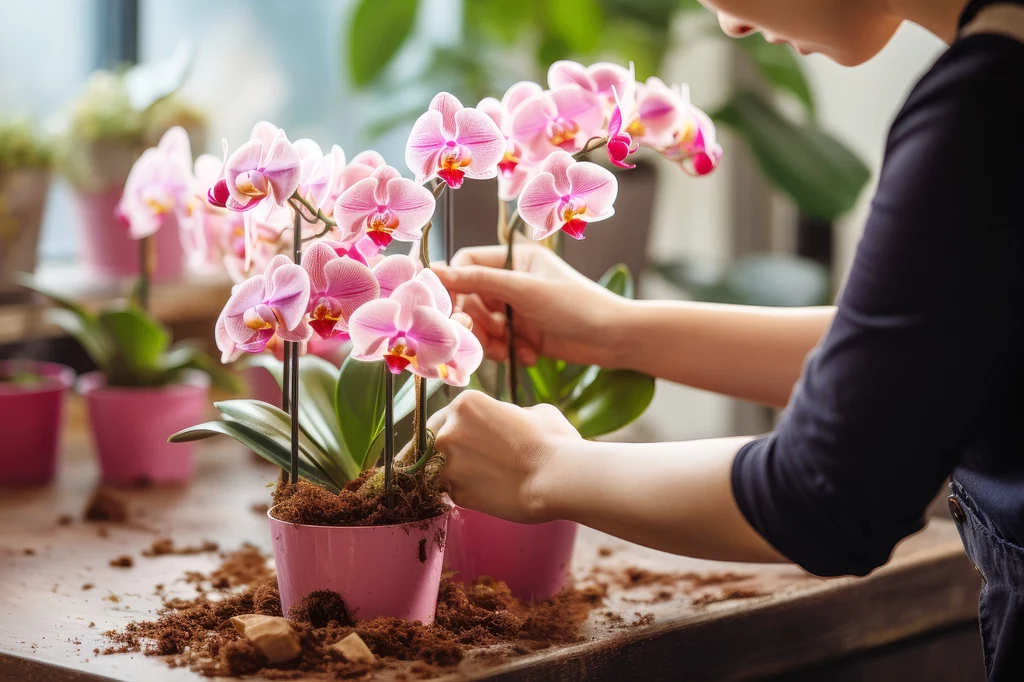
x: 294, y: 374
x: 389, y: 439
x: 146, y: 257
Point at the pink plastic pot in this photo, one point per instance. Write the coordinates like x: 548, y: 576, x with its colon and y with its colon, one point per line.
x: 30, y: 420
x: 378, y: 570
x: 108, y: 250
x: 533, y: 559
x: 130, y: 427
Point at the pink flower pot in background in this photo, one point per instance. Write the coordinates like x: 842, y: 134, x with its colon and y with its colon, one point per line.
x: 378, y: 570
x: 533, y: 559
x: 261, y: 385
x: 108, y: 250
x: 30, y: 421
x: 130, y: 427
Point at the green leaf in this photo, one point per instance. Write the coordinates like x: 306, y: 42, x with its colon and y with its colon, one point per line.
x: 637, y: 42
x: 378, y: 30
x: 819, y: 173
x: 502, y: 20
x: 74, y: 319
x: 780, y: 67
x: 608, y: 399
x: 618, y: 280
x: 184, y: 355
x: 264, y: 446
x: 546, y: 380
x: 276, y: 423
x: 140, y: 340
x: 405, y: 397
x: 359, y: 402
x: 577, y: 23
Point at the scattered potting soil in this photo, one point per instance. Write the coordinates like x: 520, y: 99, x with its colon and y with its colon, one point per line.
x: 64, y: 520
x: 727, y: 594
x: 87, y: 586
x: 106, y: 506
x: 197, y: 633
x: 360, y: 503
x: 165, y: 546
x: 28, y: 551
x: 260, y: 508
x: 123, y: 561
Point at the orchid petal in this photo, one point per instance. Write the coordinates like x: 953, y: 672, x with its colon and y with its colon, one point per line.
x: 384, y: 175
x: 442, y: 299
x: 532, y: 116
x: 485, y: 141
x: 567, y: 73
x: 449, y: 105
x: 301, y: 333
x: 371, y: 326
x: 353, y: 206
x: 495, y: 111
x: 410, y: 296
x: 265, y: 132
x: 351, y: 283
x: 597, y: 187
x: 558, y: 164
x: 314, y: 260
x: 519, y: 93
x: 248, y: 294
x: 538, y: 205
x: 175, y: 144
x: 426, y: 140
x: 607, y: 76
x: 369, y: 158
x: 433, y: 337
x: 394, y: 271
x: 583, y: 108
x: 244, y: 159
x: 288, y: 294
x: 282, y: 168
x: 225, y: 344
x: 412, y: 205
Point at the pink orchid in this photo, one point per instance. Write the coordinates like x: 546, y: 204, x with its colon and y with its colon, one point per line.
x: 405, y: 330
x: 394, y: 271
x: 453, y: 142
x: 562, y: 119
x: 602, y: 78
x: 265, y: 167
x: 655, y: 112
x: 620, y: 143
x: 695, y: 146
x: 274, y: 302
x: 567, y: 195
x: 457, y: 371
x: 316, y: 172
x: 513, y: 171
x: 384, y: 206
x: 348, y: 174
x: 338, y: 286
x: 158, y: 186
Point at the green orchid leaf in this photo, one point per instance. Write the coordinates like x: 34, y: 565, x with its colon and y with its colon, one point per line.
x: 276, y: 423
x: 780, y: 67
x: 264, y: 446
x: 545, y: 377
x: 359, y: 404
x: 183, y: 356
x: 74, y: 319
x: 141, y: 341
x: 405, y: 395
x: 619, y: 280
x: 815, y: 170
x: 607, y: 400
x: 378, y: 30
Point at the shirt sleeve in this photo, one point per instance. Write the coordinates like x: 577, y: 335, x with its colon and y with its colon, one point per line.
x: 928, y: 327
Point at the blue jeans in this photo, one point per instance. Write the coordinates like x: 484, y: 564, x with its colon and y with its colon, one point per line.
x: 1001, y: 606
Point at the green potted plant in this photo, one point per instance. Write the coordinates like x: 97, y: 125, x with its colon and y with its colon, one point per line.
x: 116, y: 117
x: 31, y: 405
x: 25, y: 160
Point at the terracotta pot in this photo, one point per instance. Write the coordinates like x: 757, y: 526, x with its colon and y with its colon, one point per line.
x: 22, y: 199
x: 30, y: 421
x: 378, y: 570
x: 130, y: 428
x: 533, y: 559
x: 108, y: 250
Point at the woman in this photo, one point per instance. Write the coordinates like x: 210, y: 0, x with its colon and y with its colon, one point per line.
x: 914, y: 377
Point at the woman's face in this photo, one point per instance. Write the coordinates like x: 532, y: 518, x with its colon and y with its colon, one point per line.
x: 848, y: 31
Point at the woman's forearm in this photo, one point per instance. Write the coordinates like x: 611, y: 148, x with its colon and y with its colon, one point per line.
x: 748, y: 352
x: 675, y: 497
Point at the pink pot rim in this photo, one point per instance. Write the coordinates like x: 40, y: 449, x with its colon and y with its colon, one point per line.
x: 393, y: 526
x: 58, y: 378
x: 93, y: 384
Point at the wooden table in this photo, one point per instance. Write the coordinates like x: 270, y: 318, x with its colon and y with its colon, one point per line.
x: 918, y: 613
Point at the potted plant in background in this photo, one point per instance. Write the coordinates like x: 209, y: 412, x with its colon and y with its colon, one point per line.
x: 145, y: 389
x: 115, y: 118
x: 31, y: 405
x: 25, y: 160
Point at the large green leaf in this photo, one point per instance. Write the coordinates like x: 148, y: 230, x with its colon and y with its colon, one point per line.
x: 819, y: 173
x: 780, y: 67
x: 376, y: 33
x: 277, y: 423
x: 140, y: 340
x: 607, y: 400
x: 577, y: 23
x: 503, y: 20
x: 359, y: 402
x: 73, y: 318
x: 544, y: 375
x: 618, y: 280
x: 264, y: 446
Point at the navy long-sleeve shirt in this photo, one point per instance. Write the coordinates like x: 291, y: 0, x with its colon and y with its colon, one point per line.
x: 922, y: 372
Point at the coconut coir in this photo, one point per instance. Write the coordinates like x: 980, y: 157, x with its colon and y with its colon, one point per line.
x: 360, y: 503
x: 165, y: 546
x: 197, y: 633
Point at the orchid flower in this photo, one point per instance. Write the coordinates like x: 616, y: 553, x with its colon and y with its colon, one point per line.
x: 272, y: 303
x: 457, y: 371
x: 394, y: 271
x: 405, y: 330
x: 316, y: 173
x: 338, y: 286
x: 453, y: 142
x: 266, y: 167
x: 620, y: 143
x: 562, y: 119
x: 567, y: 195
x: 348, y: 174
x: 384, y: 206
x: 603, y: 78
x: 513, y: 170
x: 657, y: 113
x: 159, y: 185
x: 695, y: 145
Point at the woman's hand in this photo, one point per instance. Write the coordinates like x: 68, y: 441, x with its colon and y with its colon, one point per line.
x: 559, y: 313
x: 502, y: 459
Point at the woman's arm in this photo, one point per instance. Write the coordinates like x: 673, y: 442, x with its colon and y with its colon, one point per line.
x: 748, y: 352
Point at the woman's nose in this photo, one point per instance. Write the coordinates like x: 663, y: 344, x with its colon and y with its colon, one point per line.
x: 734, y: 28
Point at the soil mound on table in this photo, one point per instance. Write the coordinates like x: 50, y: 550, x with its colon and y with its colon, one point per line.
x: 360, y: 503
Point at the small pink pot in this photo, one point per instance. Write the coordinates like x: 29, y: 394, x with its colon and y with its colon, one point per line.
x: 30, y: 420
x: 378, y: 570
x: 110, y: 252
x: 532, y: 559
x: 130, y: 427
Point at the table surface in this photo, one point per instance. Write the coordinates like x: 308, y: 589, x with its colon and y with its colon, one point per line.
x: 45, y: 614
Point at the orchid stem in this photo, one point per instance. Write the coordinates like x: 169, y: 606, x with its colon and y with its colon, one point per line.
x: 145, y: 270
x: 294, y: 463
x: 318, y: 216
x: 449, y: 227
x: 428, y: 452
x: 513, y: 369
x: 389, y: 438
